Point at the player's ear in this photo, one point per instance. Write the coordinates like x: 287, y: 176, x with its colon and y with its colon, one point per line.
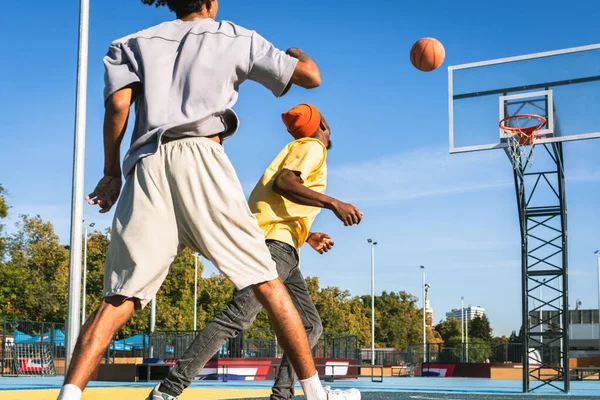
x: 323, y: 124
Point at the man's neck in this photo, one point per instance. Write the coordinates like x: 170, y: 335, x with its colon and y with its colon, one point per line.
x: 195, y: 15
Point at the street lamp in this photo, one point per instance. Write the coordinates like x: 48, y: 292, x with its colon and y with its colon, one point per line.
x: 462, y: 325
x: 597, y: 253
x: 373, y: 244
x: 74, y: 289
x: 467, y: 333
x: 85, y: 238
x: 424, y: 327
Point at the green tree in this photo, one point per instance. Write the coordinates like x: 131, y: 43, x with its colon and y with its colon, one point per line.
x: 554, y: 326
x: 449, y: 328
x: 479, y: 327
x: 3, y: 205
x: 478, y: 350
x: 34, y: 276
x: 500, y: 340
x: 398, y: 320
x: 175, y: 300
x: 3, y: 214
x: 96, y: 256
x: 340, y: 312
x: 516, y: 338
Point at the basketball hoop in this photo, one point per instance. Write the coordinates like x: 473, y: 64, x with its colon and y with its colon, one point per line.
x: 521, y: 130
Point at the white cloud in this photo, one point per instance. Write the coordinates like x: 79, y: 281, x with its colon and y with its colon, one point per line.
x: 583, y: 174
x: 428, y: 172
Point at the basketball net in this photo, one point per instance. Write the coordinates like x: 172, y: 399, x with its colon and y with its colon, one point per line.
x: 521, y: 130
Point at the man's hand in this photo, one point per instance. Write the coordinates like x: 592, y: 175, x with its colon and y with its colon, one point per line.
x: 347, y: 213
x: 294, y: 52
x: 321, y: 242
x: 306, y: 74
x: 106, y: 193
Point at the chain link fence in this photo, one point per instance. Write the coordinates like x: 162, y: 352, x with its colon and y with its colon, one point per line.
x: 170, y: 345
x: 468, y: 353
x: 30, y: 348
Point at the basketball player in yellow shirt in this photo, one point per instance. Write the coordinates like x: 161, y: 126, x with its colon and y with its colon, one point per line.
x: 285, y: 203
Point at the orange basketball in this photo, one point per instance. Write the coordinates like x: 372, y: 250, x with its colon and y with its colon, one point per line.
x: 427, y: 54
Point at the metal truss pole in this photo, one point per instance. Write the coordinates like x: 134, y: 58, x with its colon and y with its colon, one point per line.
x: 543, y: 223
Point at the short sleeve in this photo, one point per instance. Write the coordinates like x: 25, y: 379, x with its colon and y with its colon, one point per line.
x: 270, y: 66
x: 119, y: 72
x: 305, y: 157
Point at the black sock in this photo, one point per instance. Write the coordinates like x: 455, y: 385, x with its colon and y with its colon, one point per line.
x: 163, y: 389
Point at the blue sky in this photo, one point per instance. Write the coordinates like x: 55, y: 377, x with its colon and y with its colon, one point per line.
x: 455, y: 214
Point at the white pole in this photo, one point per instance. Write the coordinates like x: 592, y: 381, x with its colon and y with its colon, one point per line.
x: 195, y: 291
x: 153, y: 314
x: 598, y: 259
x: 462, y: 326
x: 85, y: 240
x: 541, y: 314
x: 560, y: 325
x: 373, y: 303
x: 152, y: 322
x: 467, y: 333
x: 73, y: 323
x: 424, y: 327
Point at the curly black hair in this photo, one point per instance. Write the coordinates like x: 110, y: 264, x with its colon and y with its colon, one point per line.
x: 179, y: 7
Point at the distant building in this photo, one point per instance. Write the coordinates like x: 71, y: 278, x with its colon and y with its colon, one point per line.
x: 428, y: 313
x: 584, y: 329
x: 470, y: 313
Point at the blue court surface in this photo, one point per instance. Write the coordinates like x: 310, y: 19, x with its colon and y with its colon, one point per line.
x: 390, y: 388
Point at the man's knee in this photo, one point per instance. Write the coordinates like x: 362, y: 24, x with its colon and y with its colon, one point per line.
x: 266, y: 291
x: 118, y: 301
x: 112, y: 312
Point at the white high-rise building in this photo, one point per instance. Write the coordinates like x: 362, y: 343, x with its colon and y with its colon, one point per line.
x: 428, y: 309
x: 470, y: 313
x: 429, y: 313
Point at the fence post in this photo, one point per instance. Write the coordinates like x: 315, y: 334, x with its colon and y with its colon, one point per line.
x: 3, y: 346
x: 52, y: 339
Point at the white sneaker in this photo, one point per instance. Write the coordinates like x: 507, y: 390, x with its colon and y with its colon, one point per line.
x: 156, y: 395
x: 338, y: 394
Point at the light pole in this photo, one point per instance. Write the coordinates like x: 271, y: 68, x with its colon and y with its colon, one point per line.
x: 74, y: 296
x: 597, y: 253
x: 85, y: 238
x: 152, y: 323
x: 195, y: 290
x: 462, y: 325
x: 467, y: 334
x: 424, y: 326
x: 373, y: 244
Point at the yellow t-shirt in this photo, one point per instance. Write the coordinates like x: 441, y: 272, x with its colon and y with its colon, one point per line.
x: 280, y: 218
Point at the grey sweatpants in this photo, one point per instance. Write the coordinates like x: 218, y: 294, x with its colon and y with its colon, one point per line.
x: 239, y: 314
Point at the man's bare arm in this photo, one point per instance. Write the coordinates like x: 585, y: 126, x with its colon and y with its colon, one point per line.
x: 289, y: 185
x: 306, y: 74
x: 116, y: 115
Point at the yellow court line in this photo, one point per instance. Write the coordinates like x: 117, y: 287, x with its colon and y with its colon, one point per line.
x: 137, y: 394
